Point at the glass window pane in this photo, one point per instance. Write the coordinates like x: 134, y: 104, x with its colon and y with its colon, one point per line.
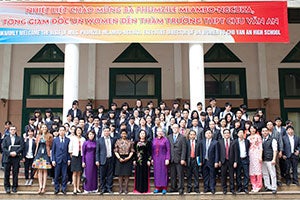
x: 38, y: 86
x: 222, y: 84
x: 295, y: 117
x: 57, y: 86
x: 124, y: 85
x: 146, y: 85
x: 292, y: 84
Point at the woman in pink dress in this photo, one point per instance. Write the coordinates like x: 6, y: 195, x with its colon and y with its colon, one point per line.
x: 255, y: 155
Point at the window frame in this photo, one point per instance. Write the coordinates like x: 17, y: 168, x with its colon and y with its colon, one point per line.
x: 36, y: 71
x: 241, y: 72
x: 113, y: 72
x: 281, y: 75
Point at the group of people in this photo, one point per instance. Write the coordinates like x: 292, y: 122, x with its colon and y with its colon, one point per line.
x: 176, y: 142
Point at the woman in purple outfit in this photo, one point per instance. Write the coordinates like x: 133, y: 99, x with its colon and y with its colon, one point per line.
x: 161, y: 157
x: 89, y: 164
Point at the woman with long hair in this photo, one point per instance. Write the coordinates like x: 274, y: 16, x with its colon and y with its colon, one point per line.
x: 42, y: 156
x: 255, y: 156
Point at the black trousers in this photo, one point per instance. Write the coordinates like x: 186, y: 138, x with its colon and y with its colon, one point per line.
x: 292, y: 162
x: 176, y: 170
x: 28, y: 166
x: 13, y: 163
x: 242, y: 168
x: 106, y: 175
x: 227, y: 170
x: 193, y: 171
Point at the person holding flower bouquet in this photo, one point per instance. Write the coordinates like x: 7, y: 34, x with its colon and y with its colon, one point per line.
x: 142, y: 163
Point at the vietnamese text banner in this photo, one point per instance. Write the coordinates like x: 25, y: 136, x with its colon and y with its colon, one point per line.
x: 161, y: 22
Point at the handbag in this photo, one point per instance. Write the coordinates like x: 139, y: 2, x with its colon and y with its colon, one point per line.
x: 83, y: 177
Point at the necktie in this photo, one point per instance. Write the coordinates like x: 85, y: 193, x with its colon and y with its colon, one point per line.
x: 227, y: 149
x: 193, y: 149
x: 174, y: 138
x: 207, y: 147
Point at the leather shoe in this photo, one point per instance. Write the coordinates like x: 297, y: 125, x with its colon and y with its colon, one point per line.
x: 205, y: 191
x: 246, y: 191
x: 189, y: 190
x: 279, y: 183
x: 239, y: 190
x: 233, y: 192
x: 101, y: 192
x: 110, y: 192
x: 7, y: 190
x: 213, y: 191
x: 56, y: 192
x: 296, y: 183
x: 197, y: 191
x: 14, y: 190
x: 274, y: 191
x: 224, y: 191
x: 288, y: 183
x: 180, y: 192
x: 64, y: 192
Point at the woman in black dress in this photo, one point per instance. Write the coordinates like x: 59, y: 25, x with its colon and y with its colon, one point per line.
x: 124, y: 151
x: 142, y: 163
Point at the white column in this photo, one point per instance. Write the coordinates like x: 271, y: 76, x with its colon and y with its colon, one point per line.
x: 196, y: 70
x: 5, y: 72
x: 178, y: 71
x: 71, y: 73
x: 91, y: 71
x: 262, y: 66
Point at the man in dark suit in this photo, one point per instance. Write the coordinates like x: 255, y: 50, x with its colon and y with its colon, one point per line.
x: 105, y: 160
x: 178, y: 156
x: 291, y: 148
x: 228, y: 161
x: 192, y: 153
x: 242, y: 147
x: 75, y: 111
x: 216, y: 110
x: 210, y: 161
x: 216, y: 133
x: 203, y: 123
x: 12, y: 154
x: 199, y: 131
x: 61, y: 160
x: 97, y: 128
x: 132, y: 129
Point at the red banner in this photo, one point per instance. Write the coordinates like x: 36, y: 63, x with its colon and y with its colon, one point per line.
x: 163, y: 22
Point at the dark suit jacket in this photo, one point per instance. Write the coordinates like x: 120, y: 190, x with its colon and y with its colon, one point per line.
x: 98, y: 133
x: 131, y: 134
x: 232, y: 152
x: 216, y: 134
x: 213, y: 152
x: 287, y: 146
x: 78, y: 113
x: 101, y: 152
x: 60, y: 153
x: 217, y: 111
x: 26, y: 147
x: 5, y: 146
x: 177, y: 149
x: 237, y: 147
x: 188, y: 151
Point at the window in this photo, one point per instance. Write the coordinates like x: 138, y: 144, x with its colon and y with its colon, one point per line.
x: 135, y: 83
x: 225, y: 82
x: 44, y: 83
x: 289, y: 83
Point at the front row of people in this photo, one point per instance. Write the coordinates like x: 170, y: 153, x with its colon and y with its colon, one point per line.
x: 253, y: 160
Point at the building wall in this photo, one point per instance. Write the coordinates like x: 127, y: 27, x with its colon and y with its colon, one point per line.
x: 164, y: 54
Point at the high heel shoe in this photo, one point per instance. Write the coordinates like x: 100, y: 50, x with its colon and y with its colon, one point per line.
x: 40, y: 191
x: 75, y: 192
x: 43, y: 191
x: 78, y: 191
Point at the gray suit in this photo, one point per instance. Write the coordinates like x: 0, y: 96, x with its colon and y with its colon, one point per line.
x: 178, y: 153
